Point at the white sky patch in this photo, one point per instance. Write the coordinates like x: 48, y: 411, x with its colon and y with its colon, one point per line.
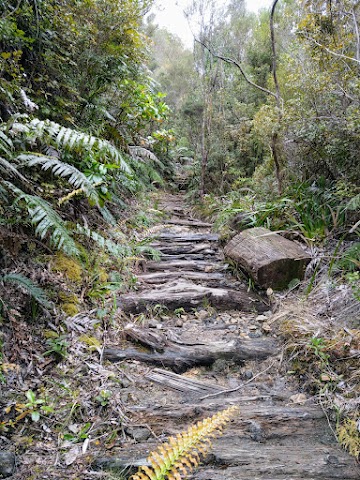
x: 169, y: 14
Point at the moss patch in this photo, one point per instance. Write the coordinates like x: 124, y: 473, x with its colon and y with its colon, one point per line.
x: 70, y: 267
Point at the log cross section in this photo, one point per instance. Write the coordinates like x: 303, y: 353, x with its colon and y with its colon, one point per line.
x: 270, y: 259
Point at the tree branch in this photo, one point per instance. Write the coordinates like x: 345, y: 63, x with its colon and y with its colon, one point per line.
x: 356, y: 26
x: 340, y: 55
x: 236, y: 64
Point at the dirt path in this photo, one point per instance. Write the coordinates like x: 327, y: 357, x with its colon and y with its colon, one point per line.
x: 217, y: 350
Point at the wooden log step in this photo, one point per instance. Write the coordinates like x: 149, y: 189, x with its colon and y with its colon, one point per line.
x: 190, y: 257
x: 270, y: 259
x: 251, y: 460
x: 186, y: 247
x: 277, y: 415
x: 188, y: 295
x: 165, y: 277
x: 180, y: 383
x: 232, y: 458
x: 188, y: 237
x: 199, y: 265
x: 190, y: 223
x: 181, y: 357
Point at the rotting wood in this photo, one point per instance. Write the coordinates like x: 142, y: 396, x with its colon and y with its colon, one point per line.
x: 188, y: 295
x: 188, y: 237
x: 180, y: 383
x: 189, y: 223
x: 164, y: 277
x: 270, y: 259
x: 185, y: 247
x: 181, y: 357
x: 199, y: 265
x: 189, y: 257
x: 254, y: 460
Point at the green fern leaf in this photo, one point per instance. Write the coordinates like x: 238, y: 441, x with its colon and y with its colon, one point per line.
x: 6, y: 144
x: 34, y: 290
x: 46, y: 221
x: 8, y: 169
x: 118, y: 251
x: 142, y: 154
x: 76, y: 178
x: 67, y: 137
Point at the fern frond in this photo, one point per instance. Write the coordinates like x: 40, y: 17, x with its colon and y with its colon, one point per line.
x: 6, y: 144
x: 10, y: 170
x: 76, y: 178
x: 107, y: 215
x: 46, y: 221
x: 34, y: 290
x: 8, y: 165
x: 180, y: 453
x: 354, y: 203
x: 141, y: 153
x: 118, y: 251
x: 68, y: 137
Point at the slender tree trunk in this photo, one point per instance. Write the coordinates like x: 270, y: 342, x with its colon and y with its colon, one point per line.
x: 275, y: 149
x: 204, y: 153
x: 275, y: 153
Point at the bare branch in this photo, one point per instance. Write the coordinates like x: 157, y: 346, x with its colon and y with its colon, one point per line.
x: 236, y: 64
x: 356, y: 26
x: 340, y: 55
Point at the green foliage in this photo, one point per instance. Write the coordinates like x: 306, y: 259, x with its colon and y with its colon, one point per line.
x: 36, y: 406
x: 29, y: 286
x: 350, y: 259
x: 72, y: 139
x: 319, y: 347
x: 76, y: 178
x: 57, y: 346
x: 47, y: 222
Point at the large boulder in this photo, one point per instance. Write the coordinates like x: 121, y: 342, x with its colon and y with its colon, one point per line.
x: 270, y: 259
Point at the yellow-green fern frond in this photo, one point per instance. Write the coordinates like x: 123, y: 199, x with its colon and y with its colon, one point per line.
x: 349, y: 436
x: 76, y: 178
x: 181, y: 454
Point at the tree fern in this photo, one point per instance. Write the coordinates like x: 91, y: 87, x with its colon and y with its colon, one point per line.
x: 46, y: 221
x: 31, y: 288
x: 76, y: 178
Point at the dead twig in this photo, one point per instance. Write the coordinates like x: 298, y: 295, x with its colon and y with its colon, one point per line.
x: 231, y: 390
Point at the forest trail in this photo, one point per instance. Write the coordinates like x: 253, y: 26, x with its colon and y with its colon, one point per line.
x: 221, y: 353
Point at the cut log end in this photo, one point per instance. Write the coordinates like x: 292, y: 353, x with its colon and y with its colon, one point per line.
x: 270, y: 259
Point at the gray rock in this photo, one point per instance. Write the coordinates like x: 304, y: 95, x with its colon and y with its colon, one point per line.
x: 7, y: 464
x: 125, y: 382
x: 248, y: 374
x: 255, y: 334
x: 256, y: 432
x: 140, y: 434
